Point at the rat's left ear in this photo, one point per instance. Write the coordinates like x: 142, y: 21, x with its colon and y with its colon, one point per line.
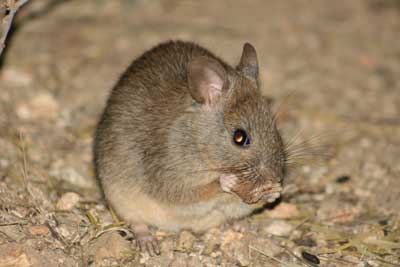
x: 248, y: 64
x: 207, y: 80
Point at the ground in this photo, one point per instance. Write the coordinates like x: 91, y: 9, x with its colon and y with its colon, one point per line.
x: 335, y: 66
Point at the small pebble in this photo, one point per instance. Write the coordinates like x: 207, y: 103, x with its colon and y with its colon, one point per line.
x: 283, y: 211
x: 4, y: 163
x: 383, y: 222
x: 279, y: 228
x: 238, y: 250
x: 109, y: 245
x: 185, y: 241
x: 343, y: 179
x: 39, y: 230
x: 310, y: 257
x: 17, y: 76
x: 68, y: 201
x: 41, y: 106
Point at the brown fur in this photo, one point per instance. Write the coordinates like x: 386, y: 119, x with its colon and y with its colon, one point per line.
x: 159, y: 153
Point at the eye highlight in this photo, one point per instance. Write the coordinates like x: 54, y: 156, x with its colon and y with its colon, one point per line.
x: 241, y: 138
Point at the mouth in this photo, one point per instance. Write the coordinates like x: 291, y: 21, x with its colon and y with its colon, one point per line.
x: 251, y: 192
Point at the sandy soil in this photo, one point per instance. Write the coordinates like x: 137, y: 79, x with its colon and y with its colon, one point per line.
x: 340, y: 60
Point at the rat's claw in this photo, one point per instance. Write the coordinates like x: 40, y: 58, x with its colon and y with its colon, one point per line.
x: 276, y: 188
x: 148, y: 243
x: 145, y: 240
x: 272, y: 197
x: 273, y: 193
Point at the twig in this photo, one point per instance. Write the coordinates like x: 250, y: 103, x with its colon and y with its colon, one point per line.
x: 271, y: 257
x: 125, y: 230
x: 52, y: 223
x: 5, y: 22
x: 24, y: 168
x: 14, y: 223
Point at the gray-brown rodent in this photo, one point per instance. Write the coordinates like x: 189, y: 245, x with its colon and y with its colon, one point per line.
x: 187, y: 142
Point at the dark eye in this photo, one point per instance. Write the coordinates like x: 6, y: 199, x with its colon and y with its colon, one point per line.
x: 240, y: 138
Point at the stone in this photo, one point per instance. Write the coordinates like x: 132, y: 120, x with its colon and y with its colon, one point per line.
x: 283, y: 211
x: 229, y: 236
x: 39, y: 230
x: 212, y: 241
x: 180, y: 260
x: 266, y: 245
x: 235, y: 246
x: 13, y: 255
x: 22, y: 255
x: 61, y: 170
x: 17, y: 76
x: 185, y: 241
x: 278, y: 228
x: 68, y: 201
x: 238, y: 251
x: 110, y: 245
x: 42, y: 106
x: 39, y: 197
x: 13, y: 232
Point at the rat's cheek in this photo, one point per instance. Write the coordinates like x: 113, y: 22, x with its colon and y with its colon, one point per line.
x: 228, y: 182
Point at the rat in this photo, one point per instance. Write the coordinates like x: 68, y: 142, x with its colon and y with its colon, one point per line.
x: 187, y: 142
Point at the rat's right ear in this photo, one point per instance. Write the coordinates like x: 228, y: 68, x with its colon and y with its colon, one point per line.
x: 248, y: 64
x: 207, y: 80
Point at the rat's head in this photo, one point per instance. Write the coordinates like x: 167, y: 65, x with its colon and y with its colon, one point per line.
x: 238, y: 135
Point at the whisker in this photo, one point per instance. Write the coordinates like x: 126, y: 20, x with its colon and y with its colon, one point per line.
x: 316, y: 139
x: 311, y: 155
x: 322, y: 148
x: 323, y: 136
x: 277, y: 113
x: 314, y: 149
x: 292, y: 141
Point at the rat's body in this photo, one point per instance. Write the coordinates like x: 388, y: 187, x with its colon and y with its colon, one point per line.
x: 164, y: 153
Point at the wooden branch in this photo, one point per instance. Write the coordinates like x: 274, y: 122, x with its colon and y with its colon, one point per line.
x: 6, y: 19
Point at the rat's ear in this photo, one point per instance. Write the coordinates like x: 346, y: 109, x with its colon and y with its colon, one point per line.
x: 248, y: 64
x: 207, y: 80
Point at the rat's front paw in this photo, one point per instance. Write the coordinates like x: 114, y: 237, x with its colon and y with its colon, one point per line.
x: 249, y: 191
x: 145, y: 241
x: 228, y: 182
